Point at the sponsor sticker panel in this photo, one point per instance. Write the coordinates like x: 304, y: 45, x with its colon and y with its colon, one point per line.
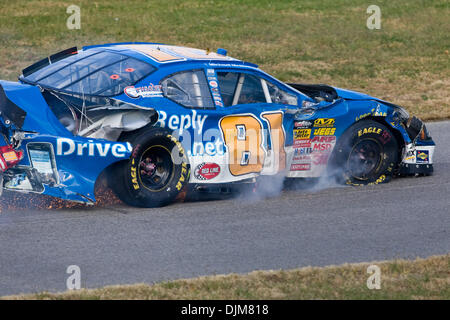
x: 313, y: 143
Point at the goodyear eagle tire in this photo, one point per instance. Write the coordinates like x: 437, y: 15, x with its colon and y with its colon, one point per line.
x: 156, y: 172
x: 367, y: 153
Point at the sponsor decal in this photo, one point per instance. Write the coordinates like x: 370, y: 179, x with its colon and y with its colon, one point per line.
x: 183, y: 177
x: 302, y: 133
x: 324, y: 131
x: 133, y: 173
x: 385, y: 137
x: 410, y: 153
x: 369, y: 130
x: 302, y: 159
x: 322, y: 147
x: 302, y: 143
x: 213, y: 84
x: 381, y: 179
x: 324, y: 122
x: 149, y: 91
x: 10, y: 156
x: 324, y: 139
x: 182, y: 122
x: 207, y: 171
x: 323, y: 143
x: 302, y: 124
x: 302, y: 151
x: 321, y: 159
x: 374, y: 112
x: 200, y: 148
x: 363, y: 116
x: 380, y: 114
x: 300, y: 167
x: 184, y: 169
x: 67, y: 147
x: 422, y: 156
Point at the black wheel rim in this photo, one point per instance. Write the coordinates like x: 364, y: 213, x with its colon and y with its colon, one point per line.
x: 364, y: 159
x: 155, y: 168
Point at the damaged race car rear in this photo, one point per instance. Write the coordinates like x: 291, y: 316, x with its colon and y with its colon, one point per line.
x: 159, y: 120
x: 40, y: 155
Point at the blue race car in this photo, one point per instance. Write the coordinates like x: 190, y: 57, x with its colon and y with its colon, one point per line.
x: 160, y: 119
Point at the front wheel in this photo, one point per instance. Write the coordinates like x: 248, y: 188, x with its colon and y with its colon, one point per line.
x: 155, y: 174
x: 367, y: 153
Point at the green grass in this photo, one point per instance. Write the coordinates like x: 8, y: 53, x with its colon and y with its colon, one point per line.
x: 400, y: 279
x: 318, y: 41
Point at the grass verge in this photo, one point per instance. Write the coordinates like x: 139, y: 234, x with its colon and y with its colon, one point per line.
x: 406, y: 62
x: 400, y: 279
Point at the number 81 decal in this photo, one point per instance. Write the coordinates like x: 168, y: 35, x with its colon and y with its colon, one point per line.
x: 243, y: 136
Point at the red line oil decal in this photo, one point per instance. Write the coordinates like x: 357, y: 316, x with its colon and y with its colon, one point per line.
x: 207, y: 171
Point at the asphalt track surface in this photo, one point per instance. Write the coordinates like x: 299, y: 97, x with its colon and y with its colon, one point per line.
x: 406, y: 218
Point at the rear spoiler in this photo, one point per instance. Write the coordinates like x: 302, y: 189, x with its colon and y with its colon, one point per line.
x: 49, y: 60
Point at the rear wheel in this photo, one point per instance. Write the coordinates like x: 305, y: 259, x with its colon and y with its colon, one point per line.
x: 367, y: 153
x: 156, y: 173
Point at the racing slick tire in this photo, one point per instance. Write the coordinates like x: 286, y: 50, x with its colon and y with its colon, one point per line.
x: 367, y: 153
x: 157, y: 171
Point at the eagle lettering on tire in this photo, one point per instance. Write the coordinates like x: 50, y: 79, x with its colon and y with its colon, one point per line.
x: 367, y: 153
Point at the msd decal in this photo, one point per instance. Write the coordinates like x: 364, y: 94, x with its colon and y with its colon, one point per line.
x: 67, y: 147
x: 207, y: 171
x: 323, y: 143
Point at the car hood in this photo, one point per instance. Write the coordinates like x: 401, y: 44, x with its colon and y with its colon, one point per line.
x: 353, y: 95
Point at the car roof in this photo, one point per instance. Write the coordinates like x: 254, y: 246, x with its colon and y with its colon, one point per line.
x: 159, y: 54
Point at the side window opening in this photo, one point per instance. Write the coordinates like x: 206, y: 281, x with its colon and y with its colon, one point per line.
x: 188, y: 88
x: 228, y: 82
x: 280, y: 96
x: 252, y: 90
x: 244, y: 88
